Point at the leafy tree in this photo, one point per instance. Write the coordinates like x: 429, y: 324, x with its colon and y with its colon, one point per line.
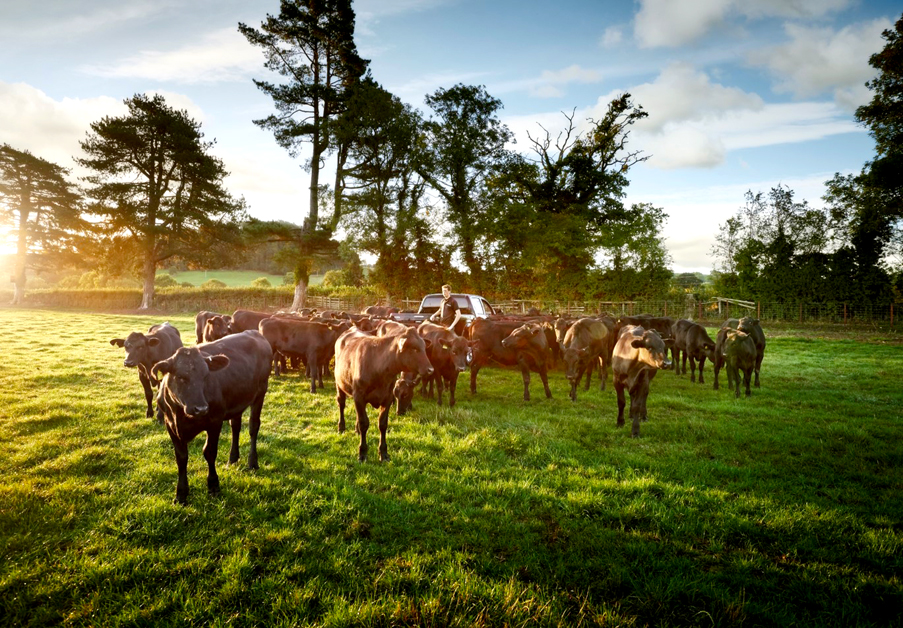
x: 311, y: 44
x: 156, y: 185
x: 464, y: 143
x: 43, y: 210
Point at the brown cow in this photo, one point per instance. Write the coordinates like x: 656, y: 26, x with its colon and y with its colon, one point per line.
x: 449, y: 356
x: 366, y: 367
x: 245, y: 320
x: 304, y: 339
x: 530, y: 353
x: 216, y: 327
x: 751, y: 326
x: 584, y: 346
x: 207, y: 385
x: 201, y: 319
x: 693, y: 341
x: 637, y: 357
x: 142, y: 351
x: 737, y: 351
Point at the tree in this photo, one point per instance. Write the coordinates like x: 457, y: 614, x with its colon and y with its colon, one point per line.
x: 156, y: 184
x: 311, y: 43
x: 464, y: 143
x: 43, y: 210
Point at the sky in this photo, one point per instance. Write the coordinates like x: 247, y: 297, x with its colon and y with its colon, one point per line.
x: 741, y: 95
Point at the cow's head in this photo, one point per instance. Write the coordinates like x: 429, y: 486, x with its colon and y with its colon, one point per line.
x: 458, y: 351
x: 528, y: 334
x: 404, y: 391
x: 561, y: 328
x: 137, y: 348
x: 655, y: 354
x: 215, y: 328
x: 186, y: 373
x: 575, y: 361
x: 411, y: 351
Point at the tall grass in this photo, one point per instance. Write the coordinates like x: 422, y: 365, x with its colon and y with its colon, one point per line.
x: 782, y: 509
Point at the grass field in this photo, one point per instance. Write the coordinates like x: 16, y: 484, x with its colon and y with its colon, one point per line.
x: 785, y: 509
x: 234, y: 278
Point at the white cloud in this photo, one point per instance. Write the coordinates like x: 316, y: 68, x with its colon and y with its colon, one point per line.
x: 819, y: 60
x: 64, y: 19
x: 677, y: 22
x: 224, y: 55
x: 549, y: 81
x: 612, y: 37
x: 48, y: 128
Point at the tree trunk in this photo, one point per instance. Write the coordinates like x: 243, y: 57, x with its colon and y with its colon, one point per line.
x: 300, y: 296
x: 21, y: 255
x: 150, y: 271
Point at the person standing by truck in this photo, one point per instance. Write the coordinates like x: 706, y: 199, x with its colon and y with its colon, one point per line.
x: 448, y: 313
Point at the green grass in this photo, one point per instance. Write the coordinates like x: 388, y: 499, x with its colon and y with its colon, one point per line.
x: 234, y: 278
x: 782, y: 509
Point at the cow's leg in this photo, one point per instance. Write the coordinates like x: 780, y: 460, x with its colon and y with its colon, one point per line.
x: 675, y: 359
x: 452, y: 386
x: 148, y: 391
x: 637, y: 412
x: 383, y: 423
x: 759, y: 357
x: 619, y: 390
x: 603, y: 372
x: 313, y: 370
x: 701, y: 365
x: 235, y: 421
x: 732, y: 376
x: 474, y: 369
x: 716, y: 367
x: 340, y: 399
x: 278, y: 363
x: 361, y: 426
x: 254, y: 429
x: 588, y: 369
x: 747, y: 376
x: 211, y: 446
x: 692, y: 369
x: 440, y: 386
x: 181, y: 450
x: 525, y: 374
x: 544, y: 376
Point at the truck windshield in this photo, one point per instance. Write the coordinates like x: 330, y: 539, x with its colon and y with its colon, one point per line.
x: 431, y: 303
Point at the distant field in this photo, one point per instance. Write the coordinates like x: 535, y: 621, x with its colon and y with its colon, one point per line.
x: 234, y: 278
x: 783, y: 509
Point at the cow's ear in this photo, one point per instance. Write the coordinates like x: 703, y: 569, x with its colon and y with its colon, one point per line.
x: 216, y: 362
x: 639, y: 343
x: 153, y: 342
x: 117, y: 342
x: 164, y: 366
x: 428, y: 343
x: 444, y: 343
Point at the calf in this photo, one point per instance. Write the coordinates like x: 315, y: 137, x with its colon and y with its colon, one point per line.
x: 207, y: 385
x: 142, y: 351
x: 637, y: 357
x: 529, y: 351
x: 216, y: 327
x: 366, y: 367
x: 737, y: 351
x: 304, y: 339
x: 693, y: 341
x: 583, y: 347
x: 201, y: 320
x: 449, y: 355
x: 528, y: 342
x: 752, y: 327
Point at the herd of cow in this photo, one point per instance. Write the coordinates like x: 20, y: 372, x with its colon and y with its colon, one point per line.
x: 380, y: 362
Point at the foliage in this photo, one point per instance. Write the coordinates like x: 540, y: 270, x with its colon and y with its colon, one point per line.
x: 778, y: 510
x: 42, y: 211
x: 261, y: 282
x: 158, y: 188
x: 163, y: 280
x: 216, y: 283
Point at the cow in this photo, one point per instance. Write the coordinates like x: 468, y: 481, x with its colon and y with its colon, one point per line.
x: 201, y: 319
x: 638, y: 355
x: 487, y: 337
x: 142, y: 351
x: 692, y: 341
x: 449, y: 355
x: 216, y: 327
x: 583, y: 347
x: 662, y: 324
x: 202, y: 387
x: 403, y: 391
x: 736, y: 350
x: 530, y: 347
x: 380, y: 311
x: 299, y: 338
x: 245, y: 320
x: 752, y: 327
x: 366, y: 367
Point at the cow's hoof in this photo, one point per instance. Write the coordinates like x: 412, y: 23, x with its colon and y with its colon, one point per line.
x: 384, y: 457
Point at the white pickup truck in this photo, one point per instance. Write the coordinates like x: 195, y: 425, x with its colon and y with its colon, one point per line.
x: 472, y: 306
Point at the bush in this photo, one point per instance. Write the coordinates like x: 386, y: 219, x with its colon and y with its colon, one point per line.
x: 334, y: 278
x: 163, y: 281
x: 261, y: 282
x: 213, y: 283
x: 289, y: 279
x: 186, y: 284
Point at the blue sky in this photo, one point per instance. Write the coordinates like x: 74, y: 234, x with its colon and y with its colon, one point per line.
x: 740, y: 94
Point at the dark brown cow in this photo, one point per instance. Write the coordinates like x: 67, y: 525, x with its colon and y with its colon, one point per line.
x: 246, y: 320
x: 583, y: 346
x: 142, y: 351
x: 693, y: 342
x: 201, y: 319
x: 366, y: 367
x: 662, y: 324
x: 403, y: 391
x: 380, y: 311
x: 216, y: 327
x: 207, y: 385
x: 638, y: 355
x: 304, y: 339
x: 529, y: 350
x: 736, y: 350
x: 449, y: 355
x: 751, y: 326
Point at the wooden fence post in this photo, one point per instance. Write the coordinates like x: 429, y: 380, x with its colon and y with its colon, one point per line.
x: 759, y: 310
